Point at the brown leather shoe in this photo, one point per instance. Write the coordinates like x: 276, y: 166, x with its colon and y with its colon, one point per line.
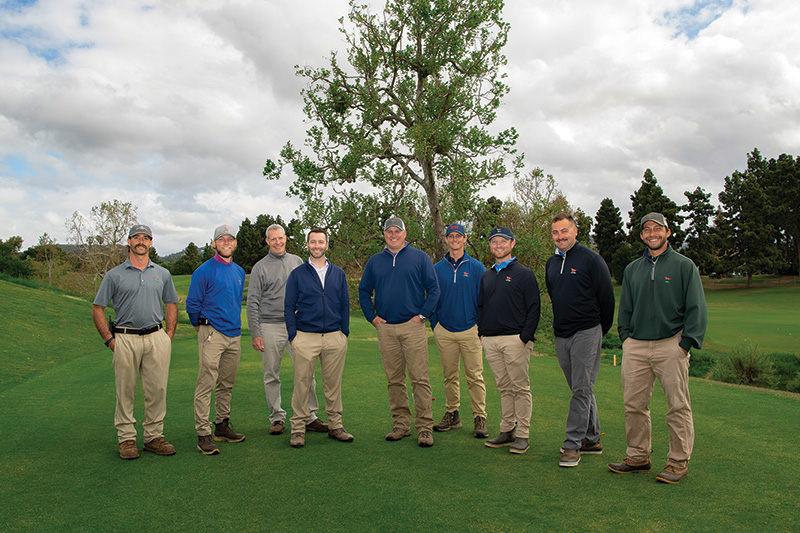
x: 672, y: 474
x: 128, y: 450
x: 224, y: 431
x: 298, y: 440
x: 398, y: 433
x: 159, y: 446
x: 317, y: 425
x: 340, y: 434
x: 425, y: 439
x: 276, y: 428
x: 205, y: 443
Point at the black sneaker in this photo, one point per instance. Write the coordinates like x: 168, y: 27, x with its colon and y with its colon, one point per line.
x: 224, y: 431
x: 205, y: 443
x: 449, y: 421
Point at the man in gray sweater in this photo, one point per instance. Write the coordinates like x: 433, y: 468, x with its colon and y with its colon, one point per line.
x: 268, y: 326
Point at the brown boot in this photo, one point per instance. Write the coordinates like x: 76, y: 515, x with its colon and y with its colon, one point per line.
x: 159, y: 446
x: 205, y: 443
x: 128, y: 450
x: 224, y: 431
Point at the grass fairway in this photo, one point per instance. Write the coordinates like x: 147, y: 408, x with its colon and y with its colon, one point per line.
x: 61, y: 470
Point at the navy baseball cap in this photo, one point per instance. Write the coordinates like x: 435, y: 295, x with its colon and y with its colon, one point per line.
x: 501, y: 231
x: 455, y: 228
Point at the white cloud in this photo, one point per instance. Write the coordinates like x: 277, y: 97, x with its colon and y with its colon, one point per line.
x: 176, y: 105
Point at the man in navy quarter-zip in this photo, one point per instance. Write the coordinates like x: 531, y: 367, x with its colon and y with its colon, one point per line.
x: 580, y: 288
x: 456, y: 331
x: 662, y: 315
x: 508, y: 314
x: 317, y: 313
x: 406, y: 292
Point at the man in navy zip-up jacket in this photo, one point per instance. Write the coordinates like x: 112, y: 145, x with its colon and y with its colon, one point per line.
x: 508, y: 314
x: 317, y: 312
x: 583, y: 310
x: 456, y: 331
x: 406, y: 293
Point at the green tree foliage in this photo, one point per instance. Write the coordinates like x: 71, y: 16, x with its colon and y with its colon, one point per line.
x: 701, y: 237
x: 101, y: 237
x: 782, y: 178
x: 188, y: 262
x: 584, y: 223
x: 411, y: 108
x: 624, y: 254
x: 749, y: 231
x: 650, y: 197
x: 48, y: 260
x: 10, y: 261
x: 251, y: 244
x: 608, y: 235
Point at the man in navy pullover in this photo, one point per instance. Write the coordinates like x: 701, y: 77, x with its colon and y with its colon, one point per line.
x: 456, y: 331
x: 317, y: 312
x: 508, y: 314
x: 583, y: 310
x: 214, y: 306
x: 406, y: 292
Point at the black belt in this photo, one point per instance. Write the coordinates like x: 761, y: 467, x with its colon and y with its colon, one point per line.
x: 203, y: 322
x: 135, y: 331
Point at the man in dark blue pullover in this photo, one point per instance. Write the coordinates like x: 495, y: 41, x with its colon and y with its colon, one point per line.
x: 580, y: 288
x: 406, y: 292
x: 508, y: 314
x: 317, y: 312
x: 214, y: 306
x: 456, y: 331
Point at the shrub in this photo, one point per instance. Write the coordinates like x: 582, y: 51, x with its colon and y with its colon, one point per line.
x: 787, y: 366
x: 794, y: 384
x: 746, y: 365
x: 611, y: 340
x: 701, y: 364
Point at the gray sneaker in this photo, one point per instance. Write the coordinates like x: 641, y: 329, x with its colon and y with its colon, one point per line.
x: 449, y: 421
x: 480, y: 428
x: 520, y: 445
x: 505, y: 438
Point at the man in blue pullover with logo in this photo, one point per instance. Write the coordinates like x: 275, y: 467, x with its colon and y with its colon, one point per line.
x: 456, y: 331
x: 583, y: 310
x: 406, y: 292
x: 317, y: 311
x: 214, y: 306
x: 508, y: 314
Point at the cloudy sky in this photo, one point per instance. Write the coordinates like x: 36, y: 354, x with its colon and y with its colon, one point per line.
x: 175, y: 105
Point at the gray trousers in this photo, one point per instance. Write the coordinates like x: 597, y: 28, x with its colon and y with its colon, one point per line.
x: 275, y: 340
x: 579, y: 357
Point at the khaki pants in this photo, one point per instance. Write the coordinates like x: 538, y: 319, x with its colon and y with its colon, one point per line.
x: 642, y: 363
x: 331, y: 350
x: 150, y: 356
x: 406, y: 346
x: 219, y: 361
x: 467, y: 345
x: 510, y: 358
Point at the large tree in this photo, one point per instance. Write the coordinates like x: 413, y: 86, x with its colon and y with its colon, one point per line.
x: 608, y: 235
x: 700, y: 237
x: 750, y: 233
x: 411, y: 109
x: 650, y: 197
x: 783, y: 187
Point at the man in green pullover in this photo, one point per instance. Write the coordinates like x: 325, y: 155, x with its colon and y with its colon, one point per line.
x: 662, y: 315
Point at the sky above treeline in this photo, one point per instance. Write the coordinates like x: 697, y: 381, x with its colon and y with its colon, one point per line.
x: 175, y: 105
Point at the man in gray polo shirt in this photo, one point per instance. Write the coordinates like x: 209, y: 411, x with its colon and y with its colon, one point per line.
x: 265, y: 318
x: 140, y: 344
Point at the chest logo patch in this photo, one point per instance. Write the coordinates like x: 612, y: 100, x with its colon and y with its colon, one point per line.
x: 667, y: 279
x: 573, y: 271
x: 508, y: 278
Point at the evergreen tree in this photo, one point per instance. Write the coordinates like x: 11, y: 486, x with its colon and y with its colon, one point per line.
x: 783, y: 188
x: 584, y: 223
x: 649, y: 198
x: 700, y: 235
x: 750, y: 233
x: 608, y: 235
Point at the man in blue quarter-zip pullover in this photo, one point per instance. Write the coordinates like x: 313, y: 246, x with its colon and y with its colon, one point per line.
x: 662, y: 315
x: 317, y: 313
x: 508, y: 314
x: 580, y: 288
x: 456, y: 331
x: 406, y: 292
x: 214, y: 306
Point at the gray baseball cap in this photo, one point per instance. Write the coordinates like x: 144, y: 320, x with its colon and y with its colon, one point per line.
x: 224, y: 230
x: 394, y: 222
x: 140, y: 229
x: 658, y: 218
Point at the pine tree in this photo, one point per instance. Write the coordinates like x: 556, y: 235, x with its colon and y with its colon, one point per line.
x: 700, y: 235
x: 608, y: 235
x: 649, y: 198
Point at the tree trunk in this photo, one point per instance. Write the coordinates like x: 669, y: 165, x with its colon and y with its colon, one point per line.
x: 432, y: 195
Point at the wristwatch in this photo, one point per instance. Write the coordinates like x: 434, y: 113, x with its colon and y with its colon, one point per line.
x: 422, y: 318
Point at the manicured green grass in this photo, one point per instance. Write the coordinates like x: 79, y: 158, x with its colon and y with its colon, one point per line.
x: 61, y: 470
